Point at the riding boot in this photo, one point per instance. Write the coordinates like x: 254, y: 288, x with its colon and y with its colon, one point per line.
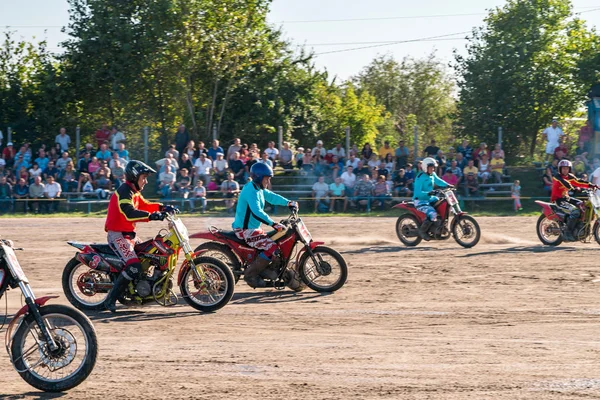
x: 118, y: 287
x: 252, y: 273
x: 424, y: 229
x: 571, y: 222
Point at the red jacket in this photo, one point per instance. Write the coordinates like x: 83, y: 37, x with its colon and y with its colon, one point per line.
x: 561, y: 184
x: 126, y: 207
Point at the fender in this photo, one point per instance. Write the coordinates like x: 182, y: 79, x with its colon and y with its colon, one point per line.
x: 39, y: 302
x: 96, y: 261
x: 312, y: 247
x: 204, y: 235
x: 186, y: 266
x: 405, y: 206
x: 547, y: 210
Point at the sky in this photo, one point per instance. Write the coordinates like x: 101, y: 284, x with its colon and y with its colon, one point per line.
x: 316, y: 24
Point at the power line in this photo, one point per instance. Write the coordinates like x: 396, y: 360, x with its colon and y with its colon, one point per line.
x: 380, y: 42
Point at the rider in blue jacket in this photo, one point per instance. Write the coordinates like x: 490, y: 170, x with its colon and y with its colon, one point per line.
x: 250, y: 214
x: 424, y: 184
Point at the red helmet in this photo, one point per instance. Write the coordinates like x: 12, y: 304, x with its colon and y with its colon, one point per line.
x: 565, y: 163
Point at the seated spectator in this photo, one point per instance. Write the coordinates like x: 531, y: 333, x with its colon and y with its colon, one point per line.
x: 354, y: 150
x: 361, y: 169
x: 366, y: 153
x: 441, y: 160
x: 52, y: 192
x: 579, y: 166
x: 400, y: 184
x: 35, y: 170
x: 339, y: 152
x: 319, y: 149
x: 337, y: 190
x: 186, y: 162
x: 104, y: 153
x: 42, y: 160
x: 6, y: 195
x: 253, y: 148
x: 84, y: 183
x: 411, y: 174
x: 374, y: 175
x: 220, y: 168
x: 123, y: 154
x: 471, y: 185
x: 235, y: 147
x: 265, y: 159
x: 456, y: 171
x: 380, y: 191
x: 320, y: 192
x: 36, y: 193
x: 53, y: 154
x: 554, y: 166
x: 272, y: 152
x: 547, y: 180
x: 118, y: 173
x: 212, y: 152
x: 480, y: 152
x: 230, y: 190
x: 388, y: 163
x: 26, y: 155
x: 336, y: 167
x: 8, y: 155
x: 102, y: 177
x: 363, y: 192
x: 349, y: 180
x: 20, y: 163
x: 201, y: 149
x: 172, y: 161
x: 183, y: 184
x: 497, y: 167
x: 68, y: 178
x: 11, y: 178
x: 114, y: 158
x: 385, y: 150
x: 190, y: 150
x: 199, y: 195
x: 94, y: 166
x: 484, y: 169
x: 352, y: 161
x: 62, y: 162
x: 561, y: 151
x: 203, y: 166
x: 470, y: 168
x: 450, y: 156
x: 23, y: 173
x: 319, y: 165
x: 21, y: 192
x: 237, y: 167
x: 84, y: 162
x: 461, y: 161
x: 286, y: 156
x: 167, y: 182
x: 373, y: 161
x: 497, y: 150
x: 450, y: 178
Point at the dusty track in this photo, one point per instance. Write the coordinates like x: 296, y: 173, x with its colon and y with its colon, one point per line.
x: 509, y: 319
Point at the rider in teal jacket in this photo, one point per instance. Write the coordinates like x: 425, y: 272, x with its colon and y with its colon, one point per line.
x: 424, y: 184
x: 249, y: 212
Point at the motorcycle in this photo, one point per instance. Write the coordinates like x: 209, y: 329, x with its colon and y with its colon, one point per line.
x: 551, y: 225
x: 206, y: 283
x: 53, y: 347
x: 309, y: 264
x: 463, y: 227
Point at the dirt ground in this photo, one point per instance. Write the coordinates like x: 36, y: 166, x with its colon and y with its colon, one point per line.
x: 508, y: 319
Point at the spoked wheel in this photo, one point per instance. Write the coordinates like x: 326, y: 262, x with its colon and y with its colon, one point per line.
x: 213, y: 291
x: 67, y: 366
x: 466, y: 231
x: 327, y: 272
x: 549, y: 232
x: 407, y: 230
x: 85, y: 288
x: 223, y: 253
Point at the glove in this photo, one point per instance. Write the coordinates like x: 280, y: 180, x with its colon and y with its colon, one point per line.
x: 450, y: 186
x: 278, y: 227
x: 433, y: 199
x: 169, y: 209
x: 156, y: 216
x: 293, y: 205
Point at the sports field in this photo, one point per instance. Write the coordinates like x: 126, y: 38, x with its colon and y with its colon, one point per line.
x: 508, y: 319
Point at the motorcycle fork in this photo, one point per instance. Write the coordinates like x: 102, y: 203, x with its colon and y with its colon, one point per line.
x: 37, y: 316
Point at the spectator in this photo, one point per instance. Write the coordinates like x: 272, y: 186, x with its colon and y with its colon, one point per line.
x: 272, y: 152
x: 35, y: 170
x: 88, y: 148
x: 200, y: 196
x: 26, y: 155
x: 286, y: 156
x: 21, y: 163
x: 461, y: 161
x: 319, y: 165
x: 336, y: 167
x: 497, y: 150
x: 183, y: 185
x: 102, y: 135
x: 5, y: 195
x: 411, y: 174
x: 201, y: 149
x: 441, y: 160
x: 103, y: 153
x: 186, y: 163
x: 102, y: 176
x: 172, y: 152
x: 450, y: 178
x: 401, y: 153
x: 117, y: 172
x: 212, y: 152
x: 363, y: 192
x: 52, y: 192
x: 220, y: 168
x: 373, y: 161
x: 182, y: 137
x: 235, y: 147
x: 554, y: 166
x: 244, y: 154
x: 349, y: 179
x: 53, y: 154
x: 339, y: 152
x: 470, y: 168
x: 36, y: 193
x: 354, y: 150
x: 167, y: 182
x: 115, y: 157
x: 366, y: 152
x: 450, y: 156
x: 319, y: 149
x: 581, y: 150
x: 385, y: 150
x: 361, y: 169
x: 23, y: 173
x: 253, y: 148
x: 497, y: 167
x: 1, y: 138
x: 457, y: 171
x: 237, y: 167
x: 68, y: 178
x: 381, y: 192
x: 117, y: 137
x: 63, y: 140
x: 171, y: 160
x: 465, y: 149
x: 299, y: 156
x: 11, y: 178
x: 352, y: 161
x: 8, y: 154
x: 320, y: 192
x: 251, y: 161
x: 480, y: 152
x: 191, y: 152
x: 388, y: 163
x: 21, y: 192
x: 515, y: 193
x: 84, y: 184
x: 230, y: 190
x: 62, y: 162
x: 52, y: 171
x: 552, y: 135
x: 561, y: 150
x: 265, y: 159
x: 123, y: 154
x: 431, y: 150
x: 401, y: 183
x: 203, y: 166
x: 42, y: 160
x: 585, y: 134
x: 93, y: 166
x: 471, y: 184
x: 484, y: 169
x: 337, y: 190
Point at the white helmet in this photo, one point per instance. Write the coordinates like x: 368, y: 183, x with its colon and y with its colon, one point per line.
x: 429, y: 161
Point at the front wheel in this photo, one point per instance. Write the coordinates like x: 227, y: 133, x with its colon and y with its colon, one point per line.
x: 325, y: 271
x: 548, y: 231
x: 597, y: 231
x: 67, y: 366
x: 407, y: 230
x: 466, y: 231
x: 212, y: 292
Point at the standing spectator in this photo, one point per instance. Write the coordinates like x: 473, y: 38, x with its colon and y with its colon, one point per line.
x: 52, y: 192
x: 235, y: 147
x: 117, y: 137
x: 199, y: 195
x: 182, y: 137
x: 552, y: 135
x: 230, y: 190
x: 319, y: 149
x: 102, y: 135
x: 123, y: 154
x: 63, y: 140
x: 465, y: 149
x: 286, y: 156
x: 484, y: 169
x: 8, y: 154
x: 431, y: 150
x: 366, y: 152
x: 339, y: 152
x: 220, y: 168
x: 167, y: 182
x: 272, y: 152
x: 237, y: 167
x: 385, y: 150
x: 319, y: 193
x: 104, y: 153
x: 401, y: 153
x: 42, y: 160
x: 172, y: 152
x: 184, y: 184
x: 51, y: 170
x: 68, y: 178
x: 515, y: 192
x: 36, y: 193
x: 349, y: 180
x: 470, y: 168
x: 62, y: 162
x: 471, y: 184
x: 337, y: 190
x: 497, y: 167
x: 212, y: 152
x: 21, y: 192
x: 203, y: 166
x: 381, y: 192
x: 363, y: 192
x: 401, y: 184
x: 5, y: 195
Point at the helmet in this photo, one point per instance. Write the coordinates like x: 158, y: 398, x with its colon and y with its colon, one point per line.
x: 565, y: 163
x: 134, y: 169
x: 259, y: 171
x: 428, y: 162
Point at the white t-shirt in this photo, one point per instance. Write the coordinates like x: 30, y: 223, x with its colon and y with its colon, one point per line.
x: 167, y: 177
x: 203, y: 168
x: 552, y: 134
x: 595, y: 177
x: 272, y: 152
x: 220, y: 165
x: 341, y: 153
x: 348, y: 179
x: 52, y: 190
x: 320, y: 189
x: 354, y: 163
x: 321, y: 151
x: 117, y: 137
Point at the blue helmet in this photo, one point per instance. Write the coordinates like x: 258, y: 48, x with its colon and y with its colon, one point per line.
x: 259, y: 171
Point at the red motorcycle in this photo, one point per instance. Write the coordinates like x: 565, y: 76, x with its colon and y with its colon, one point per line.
x: 463, y: 227
x: 320, y: 268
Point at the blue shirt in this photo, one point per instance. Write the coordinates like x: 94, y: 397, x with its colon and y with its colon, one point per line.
x: 124, y: 154
x: 249, y: 213
x: 425, y: 184
x: 42, y: 162
x: 212, y: 152
x: 103, y: 155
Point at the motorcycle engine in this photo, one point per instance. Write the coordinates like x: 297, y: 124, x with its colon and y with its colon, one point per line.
x: 143, y: 288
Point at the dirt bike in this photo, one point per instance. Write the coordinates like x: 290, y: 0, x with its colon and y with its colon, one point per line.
x: 206, y: 283
x: 53, y: 347
x: 463, y: 227
x: 319, y: 267
x: 551, y: 225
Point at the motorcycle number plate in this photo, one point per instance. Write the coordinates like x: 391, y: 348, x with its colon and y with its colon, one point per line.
x: 303, y: 230
x: 13, y: 264
x: 451, y: 198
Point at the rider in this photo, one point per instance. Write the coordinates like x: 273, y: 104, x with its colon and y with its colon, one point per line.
x: 563, y: 182
x: 127, y: 207
x: 250, y: 214
x: 424, y: 183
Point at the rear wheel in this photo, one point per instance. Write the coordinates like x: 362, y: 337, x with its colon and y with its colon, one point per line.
x: 84, y: 287
x: 407, y: 230
x: 223, y: 253
x: 325, y: 272
x: 466, y: 231
x: 211, y: 293
x: 549, y: 233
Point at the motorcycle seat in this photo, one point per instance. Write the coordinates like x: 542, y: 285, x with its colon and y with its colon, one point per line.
x: 105, y: 248
x: 232, y: 236
x: 410, y: 204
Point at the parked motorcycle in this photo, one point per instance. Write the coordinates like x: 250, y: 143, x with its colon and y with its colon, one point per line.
x: 206, y: 283
x: 463, y: 227
x: 310, y: 263
x: 552, y: 224
x: 52, y: 347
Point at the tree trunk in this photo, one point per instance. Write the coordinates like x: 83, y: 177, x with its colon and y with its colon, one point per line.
x: 164, y: 137
x: 190, y: 104
x: 212, y: 109
x: 533, y: 144
x: 227, y: 89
